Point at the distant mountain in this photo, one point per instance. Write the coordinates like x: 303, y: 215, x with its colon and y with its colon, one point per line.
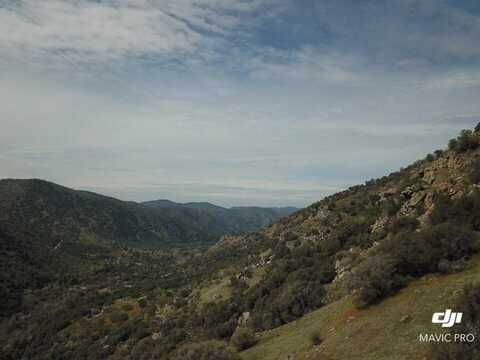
x: 232, y: 221
x: 52, y: 233
x: 57, y: 213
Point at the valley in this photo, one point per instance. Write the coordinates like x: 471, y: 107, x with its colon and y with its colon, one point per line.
x: 356, y: 275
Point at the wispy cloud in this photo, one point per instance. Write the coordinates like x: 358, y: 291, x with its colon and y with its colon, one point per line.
x: 102, y: 31
x: 240, y: 101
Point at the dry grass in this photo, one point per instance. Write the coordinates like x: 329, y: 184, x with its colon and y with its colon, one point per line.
x: 388, y: 331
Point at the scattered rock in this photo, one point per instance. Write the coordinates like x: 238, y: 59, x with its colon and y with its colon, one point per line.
x: 406, y: 319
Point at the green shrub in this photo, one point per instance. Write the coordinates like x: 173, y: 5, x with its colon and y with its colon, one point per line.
x: 118, y: 316
x: 467, y: 140
x: 209, y: 350
x: 440, y: 248
x: 143, y: 303
x: 243, y: 338
x: 474, y: 175
x: 438, y: 153
x: 402, y: 224
x: 315, y: 338
x: 375, y: 279
x: 452, y: 144
x: 419, y: 253
x: 477, y: 128
x: 459, y: 211
x: 127, y: 307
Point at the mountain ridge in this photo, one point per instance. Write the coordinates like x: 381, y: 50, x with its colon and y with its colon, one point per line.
x: 44, y: 204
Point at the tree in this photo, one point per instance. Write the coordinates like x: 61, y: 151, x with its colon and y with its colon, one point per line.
x: 474, y: 175
x: 243, y: 338
x: 477, y: 128
x: 208, y: 350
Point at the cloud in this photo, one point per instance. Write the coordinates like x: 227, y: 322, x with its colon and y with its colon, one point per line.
x: 236, y: 101
x: 307, y: 64
x: 458, y: 79
x: 103, y: 31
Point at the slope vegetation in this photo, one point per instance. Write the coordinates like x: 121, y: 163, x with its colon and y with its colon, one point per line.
x: 387, y: 331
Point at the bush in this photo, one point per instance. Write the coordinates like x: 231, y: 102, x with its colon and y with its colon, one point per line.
x: 315, y: 338
x: 438, y: 153
x: 411, y: 254
x: 402, y: 224
x: 460, y: 211
x: 477, y: 128
x: 209, y: 350
x: 243, y: 338
x: 467, y: 140
x: 452, y: 144
x: 375, y: 279
x: 118, y: 316
x: 420, y: 253
x: 474, y: 175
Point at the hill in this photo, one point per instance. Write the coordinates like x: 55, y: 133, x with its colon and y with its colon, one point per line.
x: 315, y: 285
x: 391, y: 327
x: 57, y: 213
x: 46, y: 228
x: 233, y: 221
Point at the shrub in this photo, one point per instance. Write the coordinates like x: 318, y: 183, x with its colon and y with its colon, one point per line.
x: 447, y: 267
x: 474, y: 175
x: 209, y: 350
x: 467, y: 140
x: 438, y: 153
x: 430, y: 157
x: 127, y: 307
x: 403, y: 223
x: 452, y: 144
x: 315, y: 338
x: 375, y: 279
x: 243, y: 338
x: 477, y: 128
x: 460, y: 211
x: 420, y: 253
x: 118, y: 316
x: 410, y: 254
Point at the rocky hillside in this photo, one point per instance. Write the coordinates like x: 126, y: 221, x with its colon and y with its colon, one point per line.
x: 363, y: 213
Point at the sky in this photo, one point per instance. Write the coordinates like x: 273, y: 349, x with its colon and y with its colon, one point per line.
x: 236, y: 102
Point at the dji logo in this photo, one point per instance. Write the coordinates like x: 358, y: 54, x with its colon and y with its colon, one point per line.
x: 447, y: 318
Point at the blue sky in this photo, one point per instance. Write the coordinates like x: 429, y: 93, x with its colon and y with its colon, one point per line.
x: 253, y: 102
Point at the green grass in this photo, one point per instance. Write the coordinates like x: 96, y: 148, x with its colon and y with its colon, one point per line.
x: 220, y: 289
x: 376, y: 333
x: 217, y: 290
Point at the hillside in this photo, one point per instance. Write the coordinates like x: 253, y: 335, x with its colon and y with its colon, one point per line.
x: 315, y: 285
x: 236, y: 220
x: 57, y: 213
x: 49, y: 232
x: 392, y: 327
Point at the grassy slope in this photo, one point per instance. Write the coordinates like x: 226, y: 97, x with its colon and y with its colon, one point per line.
x: 376, y: 333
